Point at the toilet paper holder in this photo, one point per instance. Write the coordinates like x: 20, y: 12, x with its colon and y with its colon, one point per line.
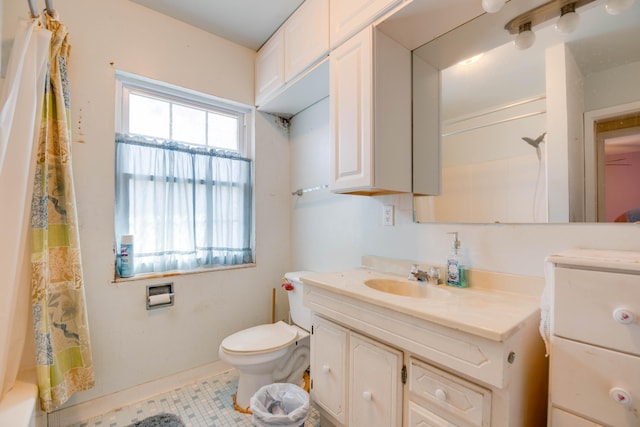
x: 159, y: 296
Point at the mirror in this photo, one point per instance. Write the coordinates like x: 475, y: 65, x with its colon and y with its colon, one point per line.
x: 546, y: 134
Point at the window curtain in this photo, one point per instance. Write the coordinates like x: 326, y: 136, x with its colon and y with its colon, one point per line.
x: 63, y: 352
x: 187, y: 207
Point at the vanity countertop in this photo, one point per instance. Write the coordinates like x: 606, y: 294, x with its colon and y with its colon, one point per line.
x: 490, y: 313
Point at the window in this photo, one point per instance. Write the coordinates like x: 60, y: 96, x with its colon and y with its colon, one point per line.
x: 183, y: 178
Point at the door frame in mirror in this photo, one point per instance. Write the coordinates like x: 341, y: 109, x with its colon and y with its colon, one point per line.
x: 590, y: 154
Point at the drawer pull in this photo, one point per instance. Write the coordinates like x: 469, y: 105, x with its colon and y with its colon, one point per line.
x: 367, y: 396
x: 326, y: 369
x: 441, y: 395
x: 624, y: 316
x: 621, y: 396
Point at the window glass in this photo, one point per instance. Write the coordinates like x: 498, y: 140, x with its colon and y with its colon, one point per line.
x: 189, y: 125
x: 149, y: 116
x: 223, y: 131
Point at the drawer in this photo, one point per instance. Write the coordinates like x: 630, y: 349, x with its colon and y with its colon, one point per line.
x: 422, y: 417
x: 585, y: 303
x: 452, y: 395
x: 560, y: 418
x: 587, y: 380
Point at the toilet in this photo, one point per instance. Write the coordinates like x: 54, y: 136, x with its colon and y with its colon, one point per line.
x: 270, y: 353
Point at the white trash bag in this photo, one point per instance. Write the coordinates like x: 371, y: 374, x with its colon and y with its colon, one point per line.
x: 280, y: 404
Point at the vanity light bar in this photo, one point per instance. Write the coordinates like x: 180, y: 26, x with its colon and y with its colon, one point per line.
x: 541, y: 14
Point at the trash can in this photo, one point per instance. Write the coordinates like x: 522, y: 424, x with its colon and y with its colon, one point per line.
x: 279, y: 404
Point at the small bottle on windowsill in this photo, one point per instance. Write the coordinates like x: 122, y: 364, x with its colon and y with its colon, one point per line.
x: 126, y: 255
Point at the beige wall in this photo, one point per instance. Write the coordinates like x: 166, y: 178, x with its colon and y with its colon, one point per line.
x: 130, y: 344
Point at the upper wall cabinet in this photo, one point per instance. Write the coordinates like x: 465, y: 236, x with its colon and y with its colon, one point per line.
x: 288, y: 76
x: 349, y: 17
x: 306, y: 37
x: 370, y: 115
x: 270, y: 67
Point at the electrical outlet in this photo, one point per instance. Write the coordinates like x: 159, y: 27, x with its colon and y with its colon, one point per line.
x: 387, y: 215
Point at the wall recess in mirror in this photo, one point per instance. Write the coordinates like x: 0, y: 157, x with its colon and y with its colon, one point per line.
x: 491, y: 107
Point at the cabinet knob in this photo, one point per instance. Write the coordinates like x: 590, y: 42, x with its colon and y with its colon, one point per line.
x: 621, y: 396
x: 441, y: 395
x: 367, y: 396
x: 624, y: 316
x: 326, y: 369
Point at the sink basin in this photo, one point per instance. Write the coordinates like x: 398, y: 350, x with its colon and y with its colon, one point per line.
x: 405, y: 288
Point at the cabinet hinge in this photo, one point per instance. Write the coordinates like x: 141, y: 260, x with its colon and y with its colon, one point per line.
x: 311, y: 329
x: 311, y: 384
x: 404, y: 374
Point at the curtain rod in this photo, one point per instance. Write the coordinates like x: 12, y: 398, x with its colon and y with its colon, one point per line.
x: 34, y: 10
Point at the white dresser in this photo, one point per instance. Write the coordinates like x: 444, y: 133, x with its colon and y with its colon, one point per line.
x: 595, y: 341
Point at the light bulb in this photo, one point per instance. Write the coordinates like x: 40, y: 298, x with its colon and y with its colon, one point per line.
x: 525, y: 38
x: 492, y: 6
x: 568, y: 20
x: 615, y: 7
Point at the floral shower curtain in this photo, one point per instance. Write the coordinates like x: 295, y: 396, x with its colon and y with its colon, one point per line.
x: 63, y: 353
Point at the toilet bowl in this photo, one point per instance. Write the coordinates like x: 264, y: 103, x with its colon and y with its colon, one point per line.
x: 269, y: 353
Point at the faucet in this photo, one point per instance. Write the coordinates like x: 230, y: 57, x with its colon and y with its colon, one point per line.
x: 416, y: 274
x: 431, y: 277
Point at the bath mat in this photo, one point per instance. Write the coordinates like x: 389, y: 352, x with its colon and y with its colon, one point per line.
x: 160, y: 420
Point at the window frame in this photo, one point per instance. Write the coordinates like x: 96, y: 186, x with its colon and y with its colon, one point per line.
x: 127, y: 83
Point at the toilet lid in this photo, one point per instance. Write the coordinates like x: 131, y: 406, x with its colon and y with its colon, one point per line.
x: 260, y: 339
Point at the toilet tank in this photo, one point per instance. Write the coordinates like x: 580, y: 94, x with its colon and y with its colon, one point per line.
x: 300, y: 314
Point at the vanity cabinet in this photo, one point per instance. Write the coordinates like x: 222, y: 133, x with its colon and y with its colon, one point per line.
x: 595, y: 345
x: 288, y: 76
x: 348, y: 17
x: 358, y: 381
x: 355, y: 379
x: 383, y: 359
x: 370, y: 115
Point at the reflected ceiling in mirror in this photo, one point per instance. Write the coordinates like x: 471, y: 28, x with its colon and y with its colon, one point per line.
x: 512, y: 129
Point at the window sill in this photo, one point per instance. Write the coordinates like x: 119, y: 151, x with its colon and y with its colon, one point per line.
x: 139, y: 277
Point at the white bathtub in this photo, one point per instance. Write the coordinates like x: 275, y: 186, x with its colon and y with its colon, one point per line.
x: 18, y: 407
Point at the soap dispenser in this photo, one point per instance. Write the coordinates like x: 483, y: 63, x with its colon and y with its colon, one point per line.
x: 456, y: 272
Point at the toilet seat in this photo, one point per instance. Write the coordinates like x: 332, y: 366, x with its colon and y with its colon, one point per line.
x: 260, y: 339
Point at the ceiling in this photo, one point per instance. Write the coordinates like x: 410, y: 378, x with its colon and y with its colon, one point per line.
x: 248, y: 23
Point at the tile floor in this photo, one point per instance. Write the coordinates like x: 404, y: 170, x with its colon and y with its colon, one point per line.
x: 206, y: 403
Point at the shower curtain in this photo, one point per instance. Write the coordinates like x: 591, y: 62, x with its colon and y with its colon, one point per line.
x: 63, y: 352
x: 21, y: 105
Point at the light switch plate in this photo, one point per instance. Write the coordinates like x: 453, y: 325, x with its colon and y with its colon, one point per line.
x: 387, y: 215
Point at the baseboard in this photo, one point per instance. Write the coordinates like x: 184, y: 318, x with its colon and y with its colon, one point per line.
x: 101, y: 405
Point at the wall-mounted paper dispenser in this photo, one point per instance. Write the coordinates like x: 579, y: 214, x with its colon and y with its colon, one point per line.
x: 159, y: 296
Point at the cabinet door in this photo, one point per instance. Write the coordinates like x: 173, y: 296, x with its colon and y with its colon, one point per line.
x: 348, y: 17
x: 306, y: 37
x: 351, y: 110
x: 375, y: 388
x: 270, y: 67
x: 328, y: 367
